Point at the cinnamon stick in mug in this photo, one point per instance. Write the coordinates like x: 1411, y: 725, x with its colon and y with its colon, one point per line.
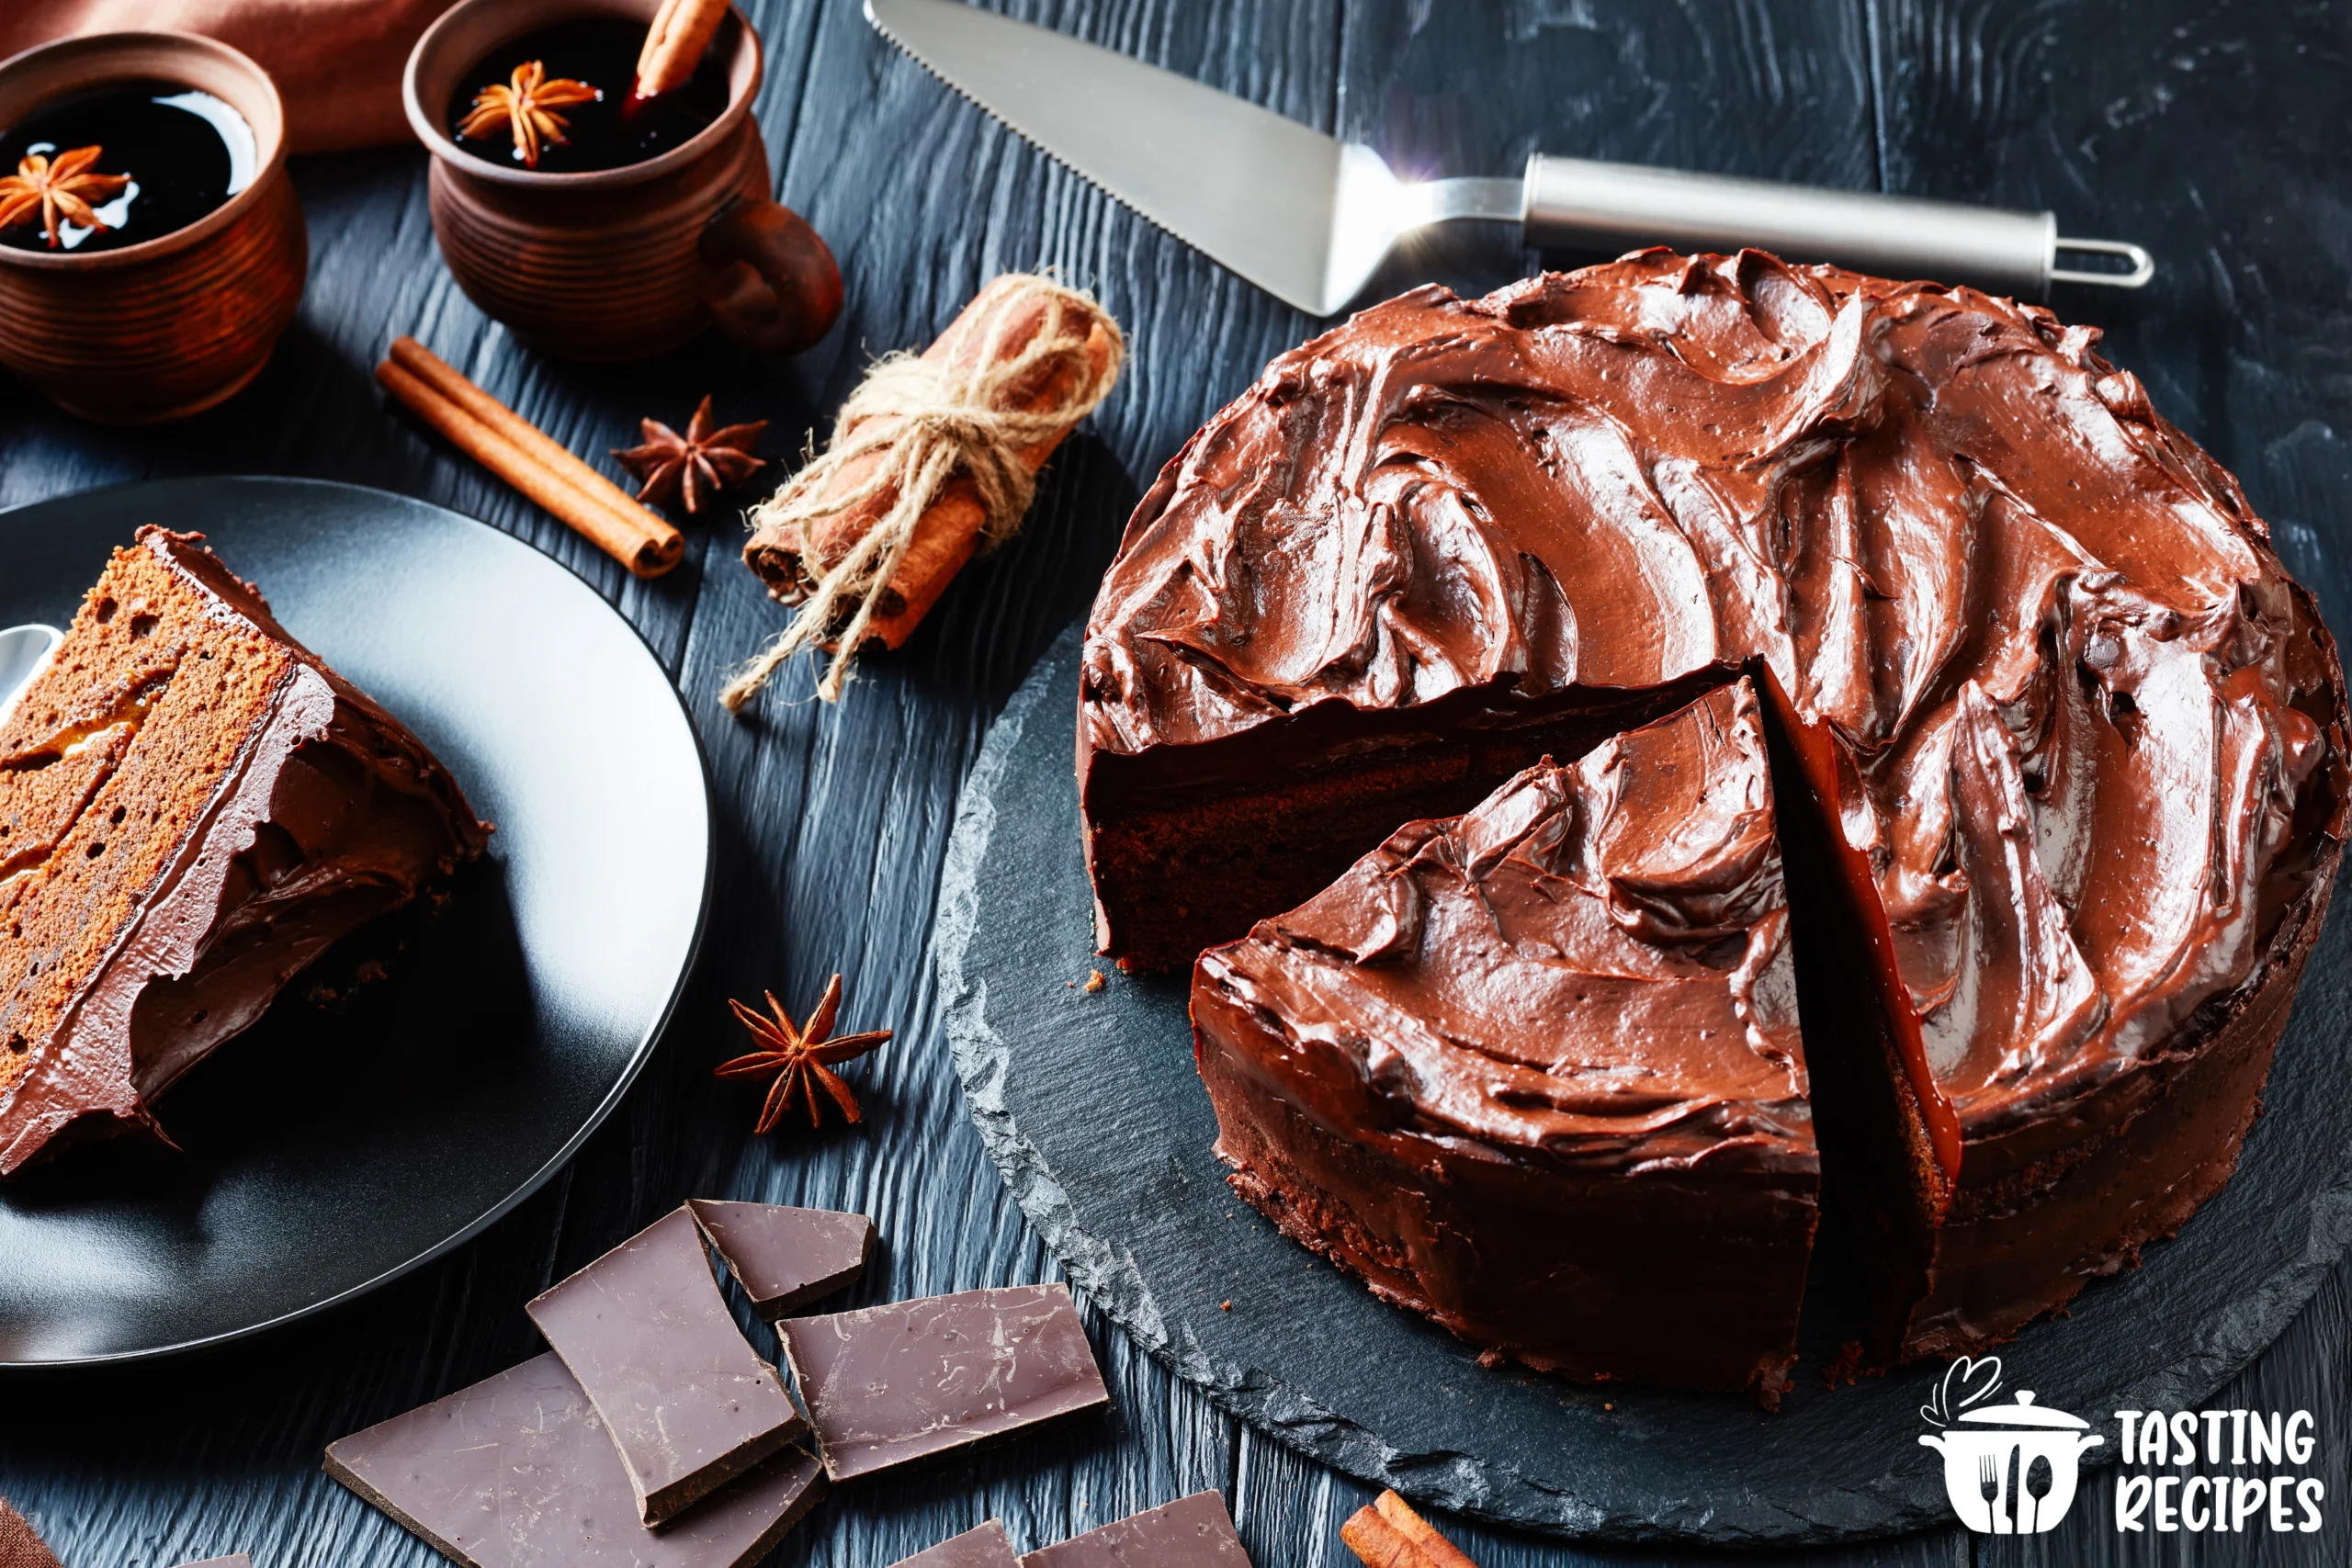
x: 682, y: 29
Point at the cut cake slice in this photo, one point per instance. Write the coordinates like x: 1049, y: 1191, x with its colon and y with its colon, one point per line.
x: 1535, y: 1072
x: 192, y: 807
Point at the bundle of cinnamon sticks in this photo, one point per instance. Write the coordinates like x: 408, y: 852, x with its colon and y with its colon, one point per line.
x: 932, y: 459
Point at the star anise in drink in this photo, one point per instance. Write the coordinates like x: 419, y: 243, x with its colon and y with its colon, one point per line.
x: 525, y: 103
x: 800, y: 1057
x: 696, y: 465
x: 58, y: 188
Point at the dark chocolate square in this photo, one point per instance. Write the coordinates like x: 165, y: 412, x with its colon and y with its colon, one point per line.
x: 786, y: 1257
x: 516, y: 1471
x: 1191, y: 1532
x: 887, y: 1384
x: 689, y: 1404
x: 984, y: 1547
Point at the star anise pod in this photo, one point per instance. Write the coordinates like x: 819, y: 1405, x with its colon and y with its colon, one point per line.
x: 698, y: 464
x: 801, y: 1057
x: 525, y: 103
x: 57, y: 188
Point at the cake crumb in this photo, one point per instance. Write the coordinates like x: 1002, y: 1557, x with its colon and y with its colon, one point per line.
x: 1608, y: 1405
x: 1093, y: 981
x: 1224, y: 1307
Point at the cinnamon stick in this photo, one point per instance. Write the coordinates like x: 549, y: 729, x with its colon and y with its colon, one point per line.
x: 790, y: 557
x: 682, y: 29
x: 1389, y: 1534
x: 529, y: 459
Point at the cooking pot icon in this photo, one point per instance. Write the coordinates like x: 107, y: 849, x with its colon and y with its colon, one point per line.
x: 2011, y: 1469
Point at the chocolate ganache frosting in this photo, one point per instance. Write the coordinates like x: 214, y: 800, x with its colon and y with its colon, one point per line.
x: 2069, y: 740
x: 1594, y: 963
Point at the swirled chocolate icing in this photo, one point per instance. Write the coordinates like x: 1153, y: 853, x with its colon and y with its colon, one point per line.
x: 2064, y: 703
x: 1592, y: 966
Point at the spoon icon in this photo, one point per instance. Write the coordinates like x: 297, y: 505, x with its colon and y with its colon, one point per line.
x: 2039, y: 1479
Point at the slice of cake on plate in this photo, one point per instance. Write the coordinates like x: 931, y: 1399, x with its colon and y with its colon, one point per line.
x: 192, y: 807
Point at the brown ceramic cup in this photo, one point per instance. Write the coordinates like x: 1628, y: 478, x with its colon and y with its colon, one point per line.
x: 619, y: 263
x: 175, y: 324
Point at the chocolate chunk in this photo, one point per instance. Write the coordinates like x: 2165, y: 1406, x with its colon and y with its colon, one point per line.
x: 1191, y: 1532
x: 786, y: 1257
x: 516, y: 1471
x: 20, y: 1546
x: 985, y: 1546
x: 887, y: 1385
x: 689, y: 1404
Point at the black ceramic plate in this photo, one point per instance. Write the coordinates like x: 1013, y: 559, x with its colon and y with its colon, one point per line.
x: 1090, y: 1105
x: 333, y: 1148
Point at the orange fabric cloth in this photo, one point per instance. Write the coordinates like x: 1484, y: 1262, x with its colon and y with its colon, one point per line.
x: 19, y: 1547
x: 337, y: 62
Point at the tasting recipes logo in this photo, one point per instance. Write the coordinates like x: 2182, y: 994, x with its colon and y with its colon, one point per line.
x: 2013, y: 1466
x: 2009, y: 1469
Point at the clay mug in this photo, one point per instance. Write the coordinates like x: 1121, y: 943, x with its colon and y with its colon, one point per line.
x: 173, y: 325
x: 619, y: 263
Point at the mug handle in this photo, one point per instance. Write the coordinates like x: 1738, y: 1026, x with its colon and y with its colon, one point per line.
x: 775, y: 287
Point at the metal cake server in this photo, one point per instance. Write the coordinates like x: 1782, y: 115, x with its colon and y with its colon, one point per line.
x: 23, y: 651
x: 1310, y: 218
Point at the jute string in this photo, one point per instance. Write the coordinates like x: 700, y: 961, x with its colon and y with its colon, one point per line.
x: 927, y: 421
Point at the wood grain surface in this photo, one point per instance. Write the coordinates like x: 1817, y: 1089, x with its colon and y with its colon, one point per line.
x: 2213, y: 132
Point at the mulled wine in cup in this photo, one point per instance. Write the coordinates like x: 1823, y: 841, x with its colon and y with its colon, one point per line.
x: 597, y: 224
x: 151, y: 248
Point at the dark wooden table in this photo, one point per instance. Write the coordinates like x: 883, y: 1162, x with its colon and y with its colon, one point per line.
x: 2213, y: 132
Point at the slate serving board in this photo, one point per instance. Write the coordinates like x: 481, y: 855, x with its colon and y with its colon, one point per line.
x: 1088, y: 1104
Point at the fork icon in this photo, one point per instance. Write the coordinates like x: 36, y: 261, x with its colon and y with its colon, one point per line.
x: 1988, y: 1486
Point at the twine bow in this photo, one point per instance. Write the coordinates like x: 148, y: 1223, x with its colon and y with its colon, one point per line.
x: 927, y: 421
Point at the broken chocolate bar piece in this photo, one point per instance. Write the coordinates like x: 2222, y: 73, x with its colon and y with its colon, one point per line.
x: 985, y: 1546
x: 1191, y: 1532
x: 786, y: 1257
x: 887, y: 1385
x: 516, y: 1471
x: 689, y: 1404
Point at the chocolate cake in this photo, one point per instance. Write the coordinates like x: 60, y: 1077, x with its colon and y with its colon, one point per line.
x: 192, y: 807
x: 2059, y: 746
x: 1535, y: 1070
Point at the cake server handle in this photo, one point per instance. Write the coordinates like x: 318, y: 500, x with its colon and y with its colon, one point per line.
x: 1583, y: 204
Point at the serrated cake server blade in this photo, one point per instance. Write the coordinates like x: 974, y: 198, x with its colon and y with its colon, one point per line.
x: 1310, y: 218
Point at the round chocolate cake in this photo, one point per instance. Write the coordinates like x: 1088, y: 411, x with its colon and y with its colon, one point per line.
x: 1512, y: 683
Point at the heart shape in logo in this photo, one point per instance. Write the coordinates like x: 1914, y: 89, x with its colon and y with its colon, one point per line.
x: 1970, y: 1379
